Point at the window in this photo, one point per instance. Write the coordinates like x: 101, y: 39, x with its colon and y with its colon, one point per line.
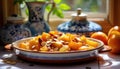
x: 94, y: 8
x: 111, y: 12
x: 87, y: 5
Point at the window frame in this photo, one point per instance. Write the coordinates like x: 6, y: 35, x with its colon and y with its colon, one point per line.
x: 112, y: 18
x: 93, y: 16
x: 114, y: 12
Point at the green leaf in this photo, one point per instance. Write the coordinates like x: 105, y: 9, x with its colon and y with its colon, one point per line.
x: 54, y: 10
x: 64, y: 6
x: 59, y: 13
x: 27, y: 12
x: 48, y: 8
x: 57, y: 1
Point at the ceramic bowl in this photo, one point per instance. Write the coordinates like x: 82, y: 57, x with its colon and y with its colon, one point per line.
x: 56, y: 57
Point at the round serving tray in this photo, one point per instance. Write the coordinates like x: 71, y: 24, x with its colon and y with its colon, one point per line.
x: 56, y: 57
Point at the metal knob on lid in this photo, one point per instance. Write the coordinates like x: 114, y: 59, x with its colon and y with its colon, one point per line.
x: 79, y: 15
x: 79, y: 11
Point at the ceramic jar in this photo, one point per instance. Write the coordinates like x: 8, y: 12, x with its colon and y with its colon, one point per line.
x: 79, y: 25
x: 36, y: 22
x: 13, y: 30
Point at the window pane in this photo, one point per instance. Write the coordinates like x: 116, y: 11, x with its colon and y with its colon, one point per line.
x: 87, y: 5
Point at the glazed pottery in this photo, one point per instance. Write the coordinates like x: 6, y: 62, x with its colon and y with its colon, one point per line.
x: 36, y: 22
x: 79, y: 25
x: 13, y: 30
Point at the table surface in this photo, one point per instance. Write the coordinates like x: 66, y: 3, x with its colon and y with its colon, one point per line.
x: 105, y: 60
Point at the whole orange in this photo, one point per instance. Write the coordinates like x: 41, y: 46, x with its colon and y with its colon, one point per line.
x: 113, y: 30
x: 114, y: 43
x: 100, y: 36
